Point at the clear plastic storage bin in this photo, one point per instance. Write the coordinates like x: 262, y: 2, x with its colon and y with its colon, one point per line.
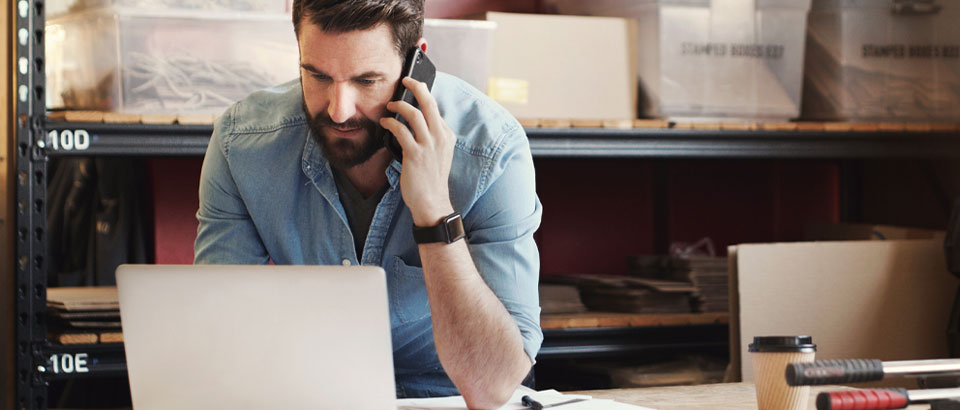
x: 56, y: 8
x: 883, y: 60
x: 713, y: 58
x: 461, y: 48
x: 170, y: 63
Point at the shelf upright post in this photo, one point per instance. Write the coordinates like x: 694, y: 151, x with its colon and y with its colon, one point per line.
x: 31, y: 213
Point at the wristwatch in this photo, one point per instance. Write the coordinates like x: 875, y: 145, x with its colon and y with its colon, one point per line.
x: 449, y: 230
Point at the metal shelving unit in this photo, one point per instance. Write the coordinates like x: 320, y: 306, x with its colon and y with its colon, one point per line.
x: 101, y: 360
x: 191, y: 140
x: 678, y: 143
x: 85, y: 139
x: 30, y: 281
x: 42, y: 362
x: 37, y: 139
x: 620, y: 341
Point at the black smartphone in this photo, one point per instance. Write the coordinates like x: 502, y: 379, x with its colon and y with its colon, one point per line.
x: 418, y: 66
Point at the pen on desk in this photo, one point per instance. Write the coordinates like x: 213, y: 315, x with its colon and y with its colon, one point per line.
x: 528, y: 401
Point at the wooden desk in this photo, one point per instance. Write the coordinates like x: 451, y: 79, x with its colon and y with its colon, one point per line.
x: 726, y: 396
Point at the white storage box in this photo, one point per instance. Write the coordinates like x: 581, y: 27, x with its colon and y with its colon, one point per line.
x: 56, y: 8
x: 165, y: 63
x: 461, y: 48
x: 713, y: 58
x: 883, y: 60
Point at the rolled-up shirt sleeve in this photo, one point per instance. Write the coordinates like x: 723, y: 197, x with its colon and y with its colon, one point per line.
x: 500, y: 230
x: 226, y: 233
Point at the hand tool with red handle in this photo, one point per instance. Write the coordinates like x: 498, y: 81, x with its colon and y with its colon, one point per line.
x: 878, y: 399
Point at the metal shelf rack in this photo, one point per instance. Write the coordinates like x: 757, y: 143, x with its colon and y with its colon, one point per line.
x: 30, y: 282
x: 67, y: 362
x: 42, y: 362
x: 620, y: 341
x: 65, y: 138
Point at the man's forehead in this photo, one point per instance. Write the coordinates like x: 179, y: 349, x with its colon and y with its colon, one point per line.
x: 371, y: 45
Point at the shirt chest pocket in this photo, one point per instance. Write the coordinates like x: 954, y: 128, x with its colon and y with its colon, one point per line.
x: 407, y: 293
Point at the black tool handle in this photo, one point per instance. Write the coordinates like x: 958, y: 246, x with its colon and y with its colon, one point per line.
x: 834, y: 372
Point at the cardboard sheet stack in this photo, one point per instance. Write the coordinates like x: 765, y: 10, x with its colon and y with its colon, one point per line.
x: 711, y: 278
x: 611, y: 293
x: 708, y: 275
x: 80, y: 315
x: 560, y: 299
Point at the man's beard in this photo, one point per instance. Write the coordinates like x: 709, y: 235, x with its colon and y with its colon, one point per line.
x: 344, y: 153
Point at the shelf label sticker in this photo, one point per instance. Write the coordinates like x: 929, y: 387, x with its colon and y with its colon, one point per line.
x: 69, y: 140
x: 733, y: 50
x: 908, y: 51
x: 70, y: 363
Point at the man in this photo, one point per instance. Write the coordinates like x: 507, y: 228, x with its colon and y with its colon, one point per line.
x: 297, y: 175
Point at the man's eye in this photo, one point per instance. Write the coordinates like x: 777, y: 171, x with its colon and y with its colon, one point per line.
x: 366, y: 81
x: 320, y: 77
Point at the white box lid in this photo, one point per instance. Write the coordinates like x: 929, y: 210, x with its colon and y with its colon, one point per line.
x: 879, y: 4
x: 456, y: 23
x: 760, y: 4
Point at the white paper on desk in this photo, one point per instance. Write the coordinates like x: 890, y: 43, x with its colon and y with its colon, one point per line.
x: 546, y: 397
x: 457, y: 403
x: 602, y: 404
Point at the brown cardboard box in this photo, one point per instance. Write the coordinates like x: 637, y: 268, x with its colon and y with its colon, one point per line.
x: 863, y: 232
x: 887, y: 300
x: 564, y: 67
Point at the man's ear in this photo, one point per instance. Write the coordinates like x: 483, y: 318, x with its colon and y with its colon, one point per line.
x: 422, y: 43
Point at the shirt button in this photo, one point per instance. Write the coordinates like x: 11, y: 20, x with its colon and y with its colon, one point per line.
x: 346, y: 262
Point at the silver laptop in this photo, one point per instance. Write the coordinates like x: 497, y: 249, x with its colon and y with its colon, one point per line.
x: 256, y: 337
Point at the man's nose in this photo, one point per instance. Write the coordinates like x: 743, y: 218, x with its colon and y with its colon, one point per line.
x: 343, y: 104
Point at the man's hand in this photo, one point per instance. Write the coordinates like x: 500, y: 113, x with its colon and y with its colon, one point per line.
x: 427, y: 155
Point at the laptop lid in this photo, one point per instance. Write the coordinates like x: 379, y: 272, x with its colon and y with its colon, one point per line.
x: 256, y: 337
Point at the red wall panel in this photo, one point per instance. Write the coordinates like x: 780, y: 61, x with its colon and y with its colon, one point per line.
x: 599, y: 212
x: 749, y: 201
x: 595, y: 214
x: 175, y: 183
x: 809, y: 192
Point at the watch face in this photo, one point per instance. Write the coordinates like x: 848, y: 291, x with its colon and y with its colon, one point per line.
x: 454, y: 224
x: 449, y: 230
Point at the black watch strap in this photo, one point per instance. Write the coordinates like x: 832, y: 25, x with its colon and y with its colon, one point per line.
x: 449, y: 230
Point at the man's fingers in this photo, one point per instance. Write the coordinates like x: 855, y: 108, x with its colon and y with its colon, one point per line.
x: 414, y: 117
x: 404, y: 137
x: 428, y: 105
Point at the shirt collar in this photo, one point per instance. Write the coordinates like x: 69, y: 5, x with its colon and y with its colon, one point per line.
x: 393, y: 173
x: 314, y: 165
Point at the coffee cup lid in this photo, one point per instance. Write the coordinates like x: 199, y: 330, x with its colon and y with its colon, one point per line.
x: 782, y: 344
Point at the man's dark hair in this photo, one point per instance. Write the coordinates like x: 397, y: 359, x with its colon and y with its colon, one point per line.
x: 404, y: 17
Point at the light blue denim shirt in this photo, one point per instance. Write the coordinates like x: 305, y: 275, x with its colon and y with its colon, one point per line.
x: 266, y: 193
